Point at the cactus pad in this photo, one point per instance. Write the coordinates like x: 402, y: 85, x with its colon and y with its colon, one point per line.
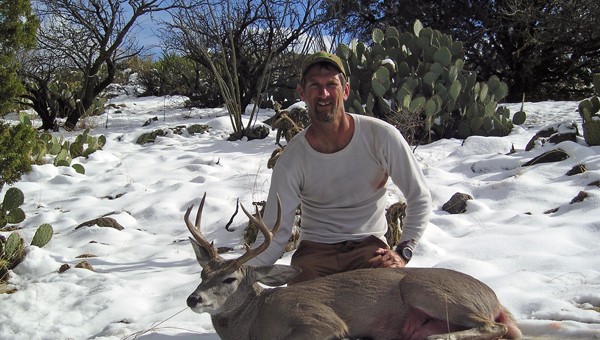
x: 42, y: 235
x: 13, y: 199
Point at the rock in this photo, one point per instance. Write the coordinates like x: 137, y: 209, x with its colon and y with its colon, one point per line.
x: 554, y: 155
x: 104, y: 222
x: 457, y: 203
x: 577, y: 169
x: 580, y: 197
x: 554, y: 133
x: 64, y: 268
x: 595, y: 183
x: 84, y: 265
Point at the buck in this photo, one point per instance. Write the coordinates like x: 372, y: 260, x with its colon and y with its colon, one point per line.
x: 385, y: 303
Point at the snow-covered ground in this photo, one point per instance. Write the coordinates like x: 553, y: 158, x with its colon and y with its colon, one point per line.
x: 545, y: 267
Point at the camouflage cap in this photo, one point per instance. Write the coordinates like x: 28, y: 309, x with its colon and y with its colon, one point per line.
x: 322, y: 57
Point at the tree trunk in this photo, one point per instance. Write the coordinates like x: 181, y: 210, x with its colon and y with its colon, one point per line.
x: 91, y: 91
x: 40, y: 100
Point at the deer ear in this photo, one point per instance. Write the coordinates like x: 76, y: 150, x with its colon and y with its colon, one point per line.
x: 202, y: 255
x: 275, y: 275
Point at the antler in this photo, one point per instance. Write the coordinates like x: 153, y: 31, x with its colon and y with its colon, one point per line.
x: 195, y: 230
x: 251, y: 253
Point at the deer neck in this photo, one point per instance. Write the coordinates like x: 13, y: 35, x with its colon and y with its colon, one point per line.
x: 238, y: 312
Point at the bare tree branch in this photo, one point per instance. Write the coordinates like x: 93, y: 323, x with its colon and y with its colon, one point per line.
x: 242, y: 43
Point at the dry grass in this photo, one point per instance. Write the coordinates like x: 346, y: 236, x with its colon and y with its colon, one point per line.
x: 5, y: 289
x: 411, y: 125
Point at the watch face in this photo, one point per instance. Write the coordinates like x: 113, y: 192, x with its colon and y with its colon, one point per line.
x: 407, y: 253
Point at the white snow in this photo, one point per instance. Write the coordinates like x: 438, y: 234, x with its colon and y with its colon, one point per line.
x: 545, y: 267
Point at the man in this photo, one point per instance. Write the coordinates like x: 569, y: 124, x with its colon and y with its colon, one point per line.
x: 337, y: 169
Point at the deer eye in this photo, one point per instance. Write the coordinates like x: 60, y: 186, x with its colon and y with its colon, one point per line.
x: 229, y: 280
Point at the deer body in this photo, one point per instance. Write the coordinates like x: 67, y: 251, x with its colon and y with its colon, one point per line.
x: 380, y: 304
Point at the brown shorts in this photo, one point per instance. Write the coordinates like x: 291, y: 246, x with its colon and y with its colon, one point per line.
x: 321, y: 259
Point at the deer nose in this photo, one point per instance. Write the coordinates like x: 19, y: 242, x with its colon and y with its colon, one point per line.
x: 193, y: 300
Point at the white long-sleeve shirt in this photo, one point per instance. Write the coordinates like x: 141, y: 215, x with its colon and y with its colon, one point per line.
x: 342, y: 194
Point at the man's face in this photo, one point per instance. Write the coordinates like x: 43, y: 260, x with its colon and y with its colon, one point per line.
x: 323, y: 93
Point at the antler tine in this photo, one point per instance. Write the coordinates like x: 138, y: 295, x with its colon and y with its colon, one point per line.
x: 195, y: 229
x: 260, y: 223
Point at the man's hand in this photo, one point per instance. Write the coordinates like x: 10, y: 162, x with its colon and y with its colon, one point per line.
x: 387, y: 258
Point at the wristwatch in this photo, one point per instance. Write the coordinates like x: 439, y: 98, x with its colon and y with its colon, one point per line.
x: 405, y: 252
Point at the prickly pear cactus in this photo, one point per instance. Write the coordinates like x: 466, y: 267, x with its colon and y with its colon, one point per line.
x: 62, y: 158
x: 421, y: 74
x: 42, y: 235
x: 84, y: 144
x: 64, y: 151
x: 78, y: 168
x: 10, y: 211
x: 13, y: 252
x: 589, y: 110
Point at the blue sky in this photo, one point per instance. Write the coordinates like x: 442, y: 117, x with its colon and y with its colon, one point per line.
x: 148, y: 31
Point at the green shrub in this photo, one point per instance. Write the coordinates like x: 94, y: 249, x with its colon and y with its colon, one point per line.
x: 170, y: 75
x: 16, y: 146
x: 176, y: 75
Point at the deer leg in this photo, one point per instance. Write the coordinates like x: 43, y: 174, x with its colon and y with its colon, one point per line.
x: 487, y: 332
x: 314, y: 321
x: 304, y: 333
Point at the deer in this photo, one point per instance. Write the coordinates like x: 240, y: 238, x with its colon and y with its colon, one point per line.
x: 251, y: 302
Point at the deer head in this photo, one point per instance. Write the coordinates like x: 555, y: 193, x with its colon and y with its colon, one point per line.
x: 227, y: 284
